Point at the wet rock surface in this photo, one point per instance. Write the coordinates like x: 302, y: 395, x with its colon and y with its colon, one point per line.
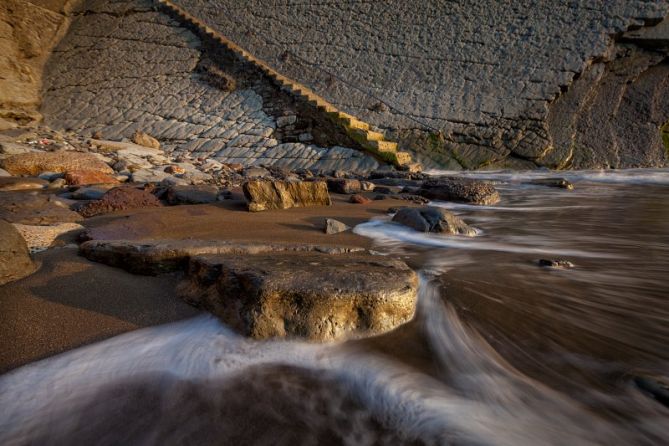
x: 15, y: 262
x: 264, y: 195
x: 560, y: 183
x: 433, y: 219
x: 19, y: 183
x: 192, y: 194
x: 463, y: 190
x: 318, y: 297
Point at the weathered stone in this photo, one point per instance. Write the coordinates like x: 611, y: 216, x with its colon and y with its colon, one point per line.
x: 119, y: 199
x: 192, y: 194
x: 359, y: 199
x: 80, y: 177
x: 256, y: 172
x: 32, y: 208
x: 152, y: 175
x: 344, y: 186
x: 15, y: 261
x: 126, y: 148
x: 553, y: 182
x: 19, y: 183
x: 174, y: 170
x: 161, y: 256
x: 34, y: 163
x: 92, y: 192
x: 146, y: 140
x: 312, y: 296
x: 264, y: 194
x: 367, y: 186
x: 333, y: 226
x: 460, y: 190
x: 4, y: 173
x: 433, y: 219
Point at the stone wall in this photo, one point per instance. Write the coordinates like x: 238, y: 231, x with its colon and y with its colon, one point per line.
x: 125, y: 65
x: 475, y: 83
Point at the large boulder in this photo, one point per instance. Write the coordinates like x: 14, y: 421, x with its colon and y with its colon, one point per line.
x: 32, y: 208
x: 433, y: 219
x: 120, y: 199
x: 34, y: 163
x: 310, y: 295
x: 15, y: 261
x: 263, y: 195
x: 464, y: 190
x: 162, y: 256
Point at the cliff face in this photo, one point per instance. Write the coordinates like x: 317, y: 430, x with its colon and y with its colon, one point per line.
x: 476, y: 84
x: 28, y: 32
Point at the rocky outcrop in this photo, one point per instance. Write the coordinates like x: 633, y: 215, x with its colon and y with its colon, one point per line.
x: 15, y: 261
x: 462, y: 190
x: 32, y: 208
x: 93, y: 84
x: 433, y: 219
x: 475, y: 84
x: 308, y: 295
x: 263, y: 195
x: 28, y: 32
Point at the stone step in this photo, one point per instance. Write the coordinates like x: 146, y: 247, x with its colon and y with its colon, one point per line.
x: 383, y: 146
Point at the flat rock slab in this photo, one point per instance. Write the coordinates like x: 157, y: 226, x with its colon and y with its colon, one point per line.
x: 307, y: 295
x: 264, y: 195
x: 162, y: 256
x: 33, y: 208
x: 20, y: 183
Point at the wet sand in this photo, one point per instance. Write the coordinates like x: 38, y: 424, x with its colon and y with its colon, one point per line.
x: 71, y: 301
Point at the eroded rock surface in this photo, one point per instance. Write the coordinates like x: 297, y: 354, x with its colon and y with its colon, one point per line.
x: 314, y: 296
x: 461, y: 190
x: 472, y: 84
x: 32, y: 208
x: 95, y: 85
x: 34, y: 163
x: 119, y: 199
x: 433, y: 219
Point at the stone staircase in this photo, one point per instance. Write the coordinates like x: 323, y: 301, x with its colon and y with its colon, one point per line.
x: 373, y: 142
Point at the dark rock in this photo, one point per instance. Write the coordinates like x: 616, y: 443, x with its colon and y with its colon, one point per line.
x: 344, y: 186
x: 264, y: 194
x: 463, y: 190
x: 19, y: 183
x: 553, y: 182
x: 313, y: 296
x: 654, y: 386
x: 386, y: 190
x: 91, y: 192
x: 381, y: 197
x: 161, y: 256
x: 119, y: 199
x: 333, y: 226
x: 15, y: 262
x: 359, y: 199
x: 555, y: 263
x: 32, y: 208
x: 433, y: 219
x: 192, y: 194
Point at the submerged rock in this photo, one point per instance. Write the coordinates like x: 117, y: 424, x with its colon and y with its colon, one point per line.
x: 118, y: 199
x: 313, y: 296
x: 553, y: 182
x: 34, y: 163
x: 263, y: 195
x: 555, y: 263
x: 15, y: 262
x: 333, y: 226
x: 464, y: 190
x: 433, y: 219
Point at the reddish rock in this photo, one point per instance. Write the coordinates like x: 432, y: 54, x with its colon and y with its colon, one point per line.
x: 119, y: 199
x: 359, y: 199
x: 175, y: 170
x: 77, y: 177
